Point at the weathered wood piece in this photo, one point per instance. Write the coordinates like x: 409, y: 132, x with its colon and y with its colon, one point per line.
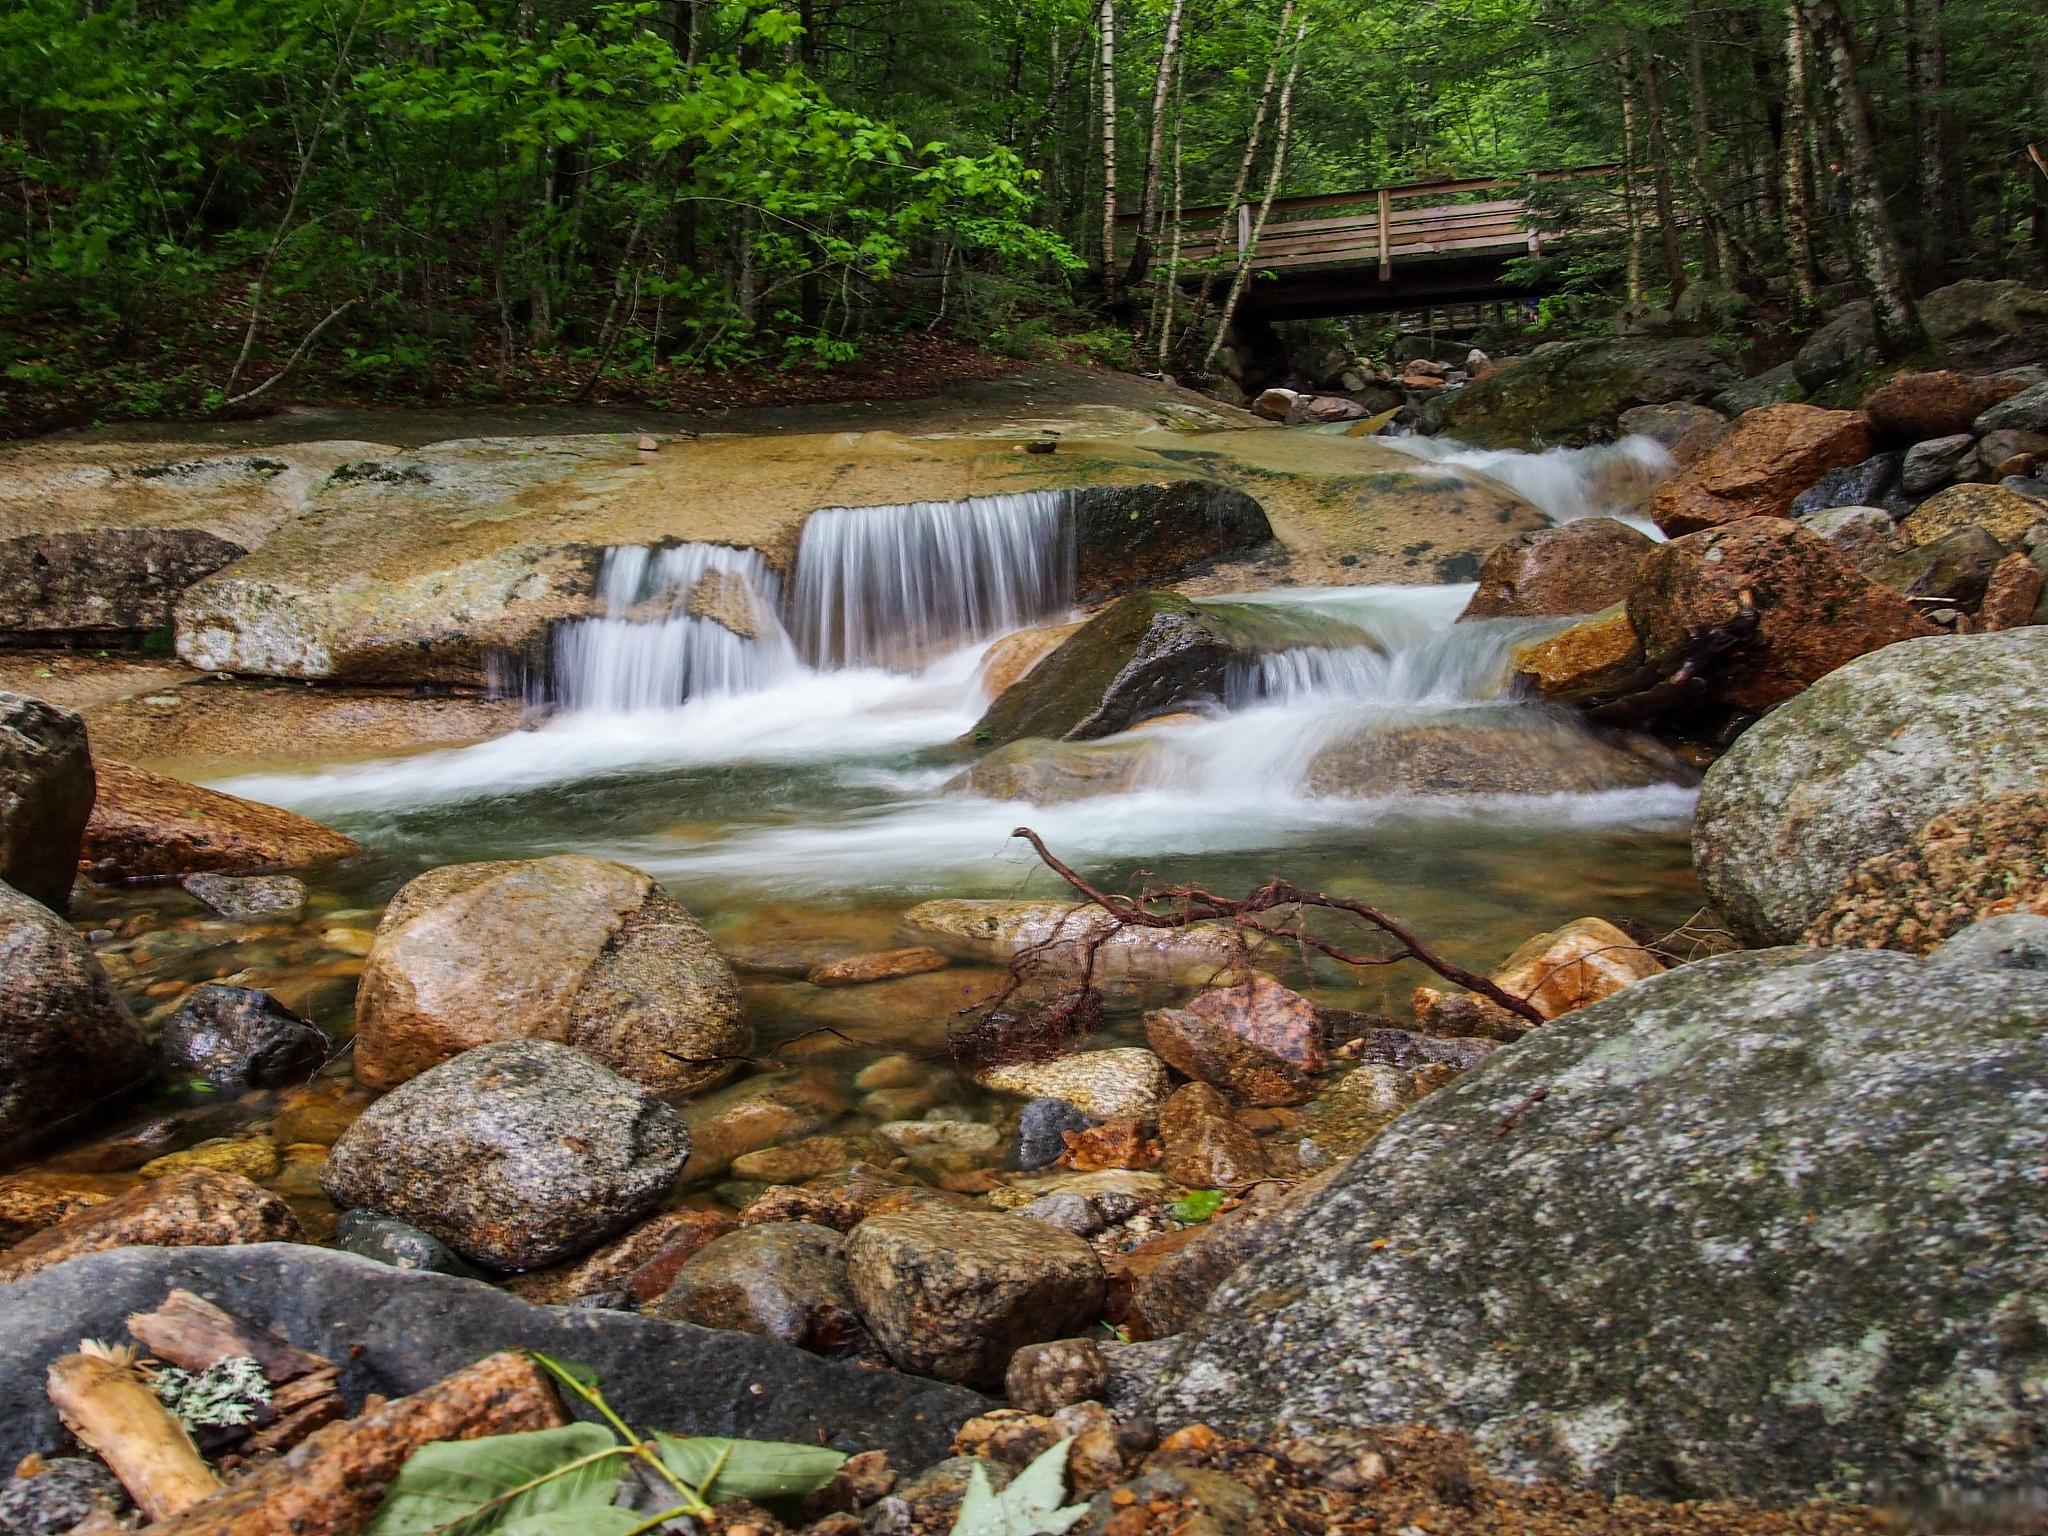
x: 193, y: 1334
x: 105, y: 1402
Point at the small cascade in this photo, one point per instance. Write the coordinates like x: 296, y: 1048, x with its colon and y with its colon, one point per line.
x: 682, y: 622
x: 1605, y: 480
x: 890, y: 585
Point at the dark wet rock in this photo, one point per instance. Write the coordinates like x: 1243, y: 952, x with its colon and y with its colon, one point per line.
x: 395, y: 1331
x: 2014, y: 941
x: 46, y: 795
x: 1798, y: 1294
x: 2026, y: 411
x: 1931, y: 464
x: 230, y: 1036
x: 146, y: 824
x: 1864, y: 536
x: 1131, y: 536
x: 1469, y: 756
x: 1857, y: 764
x: 1914, y: 407
x: 101, y: 585
x: 1845, y: 342
x: 515, y: 1155
x: 1042, y: 1129
x: 1957, y: 566
x: 399, y: 1244
x: 248, y: 898
x: 782, y: 1280
x: 192, y: 1208
x: 68, y: 1044
x: 956, y: 1295
x: 1996, y: 323
x: 1863, y: 484
x: 585, y: 951
x: 1574, y: 391
x: 64, y: 1491
x: 1151, y: 653
x: 1774, y: 386
x: 1577, y: 567
x: 1813, y: 610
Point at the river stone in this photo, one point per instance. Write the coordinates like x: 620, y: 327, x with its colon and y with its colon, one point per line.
x: 955, y: 1295
x: 782, y: 1280
x: 1517, y: 756
x: 395, y: 1331
x: 579, y: 950
x: 147, y: 824
x: 61, y: 1493
x: 1957, y: 566
x: 46, y: 794
x: 1573, y: 392
x: 247, y: 898
x: 2006, y: 515
x: 1864, y: 536
x: 1914, y: 407
x: 515, y: 1155
x: 1123, y: 1083
x: 191, y: 1208
x: 1044, y: 772
x: 1773, y: 1228
x: 231, y: 1036
x: 1845, y: 342
x: 1681, y: 427
x: 1859, y: 485
x: 105, y: 586
x: 1042, y: 1130
x: 1935, y: 462
x: 1814, y: 610
x: 68, y: 1044
x: 2026, y: 411
x: 1055, y: 931
x: 1577, y: 567
x: 1759, y: 466
x: 397, y: 1243
x: 2013, y: 941
x: 1210, y: 1051
x: 1203, y: 1144
x: 1129, y: 536
x: 1859, y: 763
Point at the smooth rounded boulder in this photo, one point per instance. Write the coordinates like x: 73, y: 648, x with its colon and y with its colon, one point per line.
x: 46, y: 795
x: 1759, y: 466
x: 234, y: 1036
x: 1765, y: 1226
x: 1577, y: 567
x: 2005, y: 514
x: 956, y: 1294
x: 1859, y: 763
x: 573, y: 949
x: 147, y: 824
x: 68, y: 1044
x: 515, y: 1155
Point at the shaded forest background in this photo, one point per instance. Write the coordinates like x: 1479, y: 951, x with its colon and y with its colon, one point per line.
x: 215, y: 205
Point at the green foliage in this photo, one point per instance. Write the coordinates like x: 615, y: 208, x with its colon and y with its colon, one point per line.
x: 566, y: 1481
x: 1196, y: 1205
x: 1030, y: 1506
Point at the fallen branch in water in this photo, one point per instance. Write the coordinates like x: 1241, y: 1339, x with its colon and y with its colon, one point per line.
x: 1273, y: 913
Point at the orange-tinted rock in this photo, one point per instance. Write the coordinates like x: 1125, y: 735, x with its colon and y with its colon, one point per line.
x: 609, y: 1270
x: 1760, y: 465
x: 196, y: 1208
x: 1813, y: 610
x: 1273, y: 1017
x: 146, y: 824
x: 691, y: 1231
x: 31, y: 1202
x: 1580, y: 963
x: 1577, y: 567
x: 2011, y: 596
x: 1999, y: 510
x: 1594, y: 657
x: 882, y: 965
x: 1206, y: 1147
x: 1113, y: 1144
x: 1011, y: 657
x: 1916, y: 406
x: 1214, y: 1053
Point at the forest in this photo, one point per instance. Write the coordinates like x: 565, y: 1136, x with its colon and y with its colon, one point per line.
x: 213, y: 203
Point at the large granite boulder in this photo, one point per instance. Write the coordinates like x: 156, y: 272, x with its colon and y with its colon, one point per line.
x: 146, y: 824
x: 1764, y: 1226
x: 1577, y: 567
x: 1759, y: 466
x: 568, y: 948
x: 2005, y: 514
x: 105, y: 586
x: 1995, y: 322
x: 1508, y: 754
x: 46, y: 794
x: 1573, y: 392
x: 515, y: 1155
x: 1859, y: 763
x: 68, y: 1044
x: 1130, y: 536
x: 1913, y: 407
x: 394, y: 1331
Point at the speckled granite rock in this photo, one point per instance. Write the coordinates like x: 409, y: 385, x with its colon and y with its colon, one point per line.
x: 1859, y: 763
x: 189, y: 1208
x: 46, y: 793
x: 515, y: 1155
x: 1776, y: 1226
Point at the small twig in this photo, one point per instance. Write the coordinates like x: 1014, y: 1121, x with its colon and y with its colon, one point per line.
x: 1507, y: 1121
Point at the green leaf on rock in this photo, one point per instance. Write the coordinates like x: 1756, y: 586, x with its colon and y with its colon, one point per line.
x: 748, y: 1469
x: 1030, y: 1506
x: 1196, y: 1205
x: 505, y: 1483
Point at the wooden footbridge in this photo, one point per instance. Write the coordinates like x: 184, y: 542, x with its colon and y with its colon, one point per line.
x: 1397, y: 247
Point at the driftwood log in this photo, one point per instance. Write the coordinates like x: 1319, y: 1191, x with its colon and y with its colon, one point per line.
x: 332, y: 1483
x: 193, y: 1334
x: 104, y: 1401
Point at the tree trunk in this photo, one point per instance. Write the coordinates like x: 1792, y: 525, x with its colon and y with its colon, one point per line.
x: 1927, y: 66
x: 1108, y: 36
x: 1163, y: 327
x: 1631, y: 190
x: 1283, y: 124
x: 1715, y: 255
x: 1801, y: 277
x: 1872, y: 242
x: 1667, y: 219
x: 1148, y: 206
x: 1244, y: 166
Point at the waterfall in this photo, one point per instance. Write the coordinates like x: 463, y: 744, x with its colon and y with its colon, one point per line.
x: 889, y: 584
x: 681, y: 622
x: 1604, y: 480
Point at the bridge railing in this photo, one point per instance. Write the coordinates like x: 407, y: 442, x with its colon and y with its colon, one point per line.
x: 1382, y: 225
